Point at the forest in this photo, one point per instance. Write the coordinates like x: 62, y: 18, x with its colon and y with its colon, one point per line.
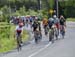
x: 35, y: 7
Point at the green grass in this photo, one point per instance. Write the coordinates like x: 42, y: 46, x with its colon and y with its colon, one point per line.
x: 2, y: 23
x: 71, y: 19
x: 7, y: 44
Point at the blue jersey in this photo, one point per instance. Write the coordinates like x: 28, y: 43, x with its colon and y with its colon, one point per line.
x: 56, y: 20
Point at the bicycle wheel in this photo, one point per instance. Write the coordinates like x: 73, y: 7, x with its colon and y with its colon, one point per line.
x: 63, y: 33
x: 46, y: 31
x: 19, y: 42
x: 36, y: 40
x: 36, y: 36
x: 50, y: 38
x: 56, y: 33
x: 51, y: 35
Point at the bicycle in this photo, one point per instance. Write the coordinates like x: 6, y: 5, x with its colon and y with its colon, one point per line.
x: 51, y: 35
x: 37, y: 36
x: 19, y: 42
x: 62, y: 31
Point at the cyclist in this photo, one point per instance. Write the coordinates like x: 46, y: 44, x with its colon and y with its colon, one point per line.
x: 45, y: 25
x: 30, y: 21
x: 39, y: 26
x: 27, y: 21
x: 50, y: 22
x: 37, y: 30
x: 56, y: 22
x: 62, y: 23
x: 35, y: 25
x: 19, y: 30
x: 37, y: 35
x: 51, y: 29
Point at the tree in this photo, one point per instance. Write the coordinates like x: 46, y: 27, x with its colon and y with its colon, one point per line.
x: 22, y: 11
x: 6, y: 13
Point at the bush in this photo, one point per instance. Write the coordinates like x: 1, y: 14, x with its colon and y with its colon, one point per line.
x: 4, y: 31
x: 6, y: 13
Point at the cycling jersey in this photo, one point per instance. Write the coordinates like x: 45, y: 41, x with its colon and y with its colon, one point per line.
x: 56, y: 22
x: 19, y: 29
x: 62, y: 21
x: 45, y: 22
x: 35, y: 26
x: 39, y: 25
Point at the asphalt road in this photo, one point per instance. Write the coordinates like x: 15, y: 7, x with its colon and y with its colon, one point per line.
x: 60, y: 48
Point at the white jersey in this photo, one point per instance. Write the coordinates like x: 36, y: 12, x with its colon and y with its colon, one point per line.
x: 19, y: 28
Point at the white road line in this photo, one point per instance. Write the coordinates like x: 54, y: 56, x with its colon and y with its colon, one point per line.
x: 35, y: 53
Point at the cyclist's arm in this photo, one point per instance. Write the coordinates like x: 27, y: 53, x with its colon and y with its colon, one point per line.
x: 22, y: 31
x: 64, y: 22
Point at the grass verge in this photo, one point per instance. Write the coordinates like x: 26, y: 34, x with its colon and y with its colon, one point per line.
x: 71, y: 19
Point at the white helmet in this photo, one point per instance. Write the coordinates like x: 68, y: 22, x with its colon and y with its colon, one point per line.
x: 54, y: 16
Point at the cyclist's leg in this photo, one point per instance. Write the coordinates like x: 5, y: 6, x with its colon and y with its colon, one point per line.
x: 20, y: 43
x: 58, y: 29
x: 50, y: 36
x: 38, y: 36
x: 46, y: 30
x: 56, y: 33
x: 63, y: 32
x: 53, y: 35
x: 36, y: 39
x: 41, y: 35
x: 20, y: 40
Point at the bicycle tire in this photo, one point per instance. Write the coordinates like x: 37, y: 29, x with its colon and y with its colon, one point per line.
x: 19, y: 47
x: 51, y: 35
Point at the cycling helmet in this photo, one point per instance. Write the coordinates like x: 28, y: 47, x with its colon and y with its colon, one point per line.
x: 54, y: 16
x: 21, y: 24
